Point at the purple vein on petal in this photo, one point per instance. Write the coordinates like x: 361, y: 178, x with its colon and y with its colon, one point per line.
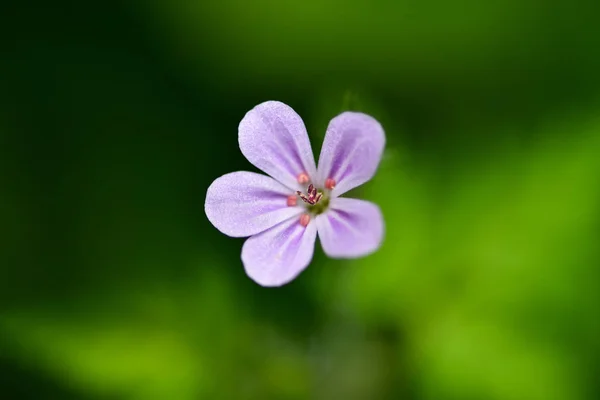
x: 342, y: 220
x: 351, y: 151
x: 291, y: 144
x: 351, y: 228
x: 280, y: 160
x: 343, y: 157
x: 245, y: 203
x: 278, y: 255
x: 272, y: 136
x: 287, y: 148
x: 345, y: 169
x: 293, y: 240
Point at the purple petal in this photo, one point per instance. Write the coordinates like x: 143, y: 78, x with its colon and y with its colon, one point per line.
x: 350, y: 228
x: 351, y: 151
x: 277, y: 256
x: 273, y: 138
x: 243, y: 204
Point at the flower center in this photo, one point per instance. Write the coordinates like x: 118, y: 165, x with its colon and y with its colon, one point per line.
x: 317, y: 202
x: 313, y: 196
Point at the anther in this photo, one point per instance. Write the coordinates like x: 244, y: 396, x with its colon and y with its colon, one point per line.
x: 303, y: 178
x: 313, y: 196
x: 304, y: 220
x: 292, y: 201
x: 329, y: 183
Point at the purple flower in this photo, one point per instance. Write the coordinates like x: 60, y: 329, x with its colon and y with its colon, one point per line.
x: 282, y: 213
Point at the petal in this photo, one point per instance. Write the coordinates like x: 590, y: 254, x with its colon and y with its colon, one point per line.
x: 350, y: 228
x: 243, y: 203
x: 273, y: 138
x: 277, y: 256
x: 351, y: 151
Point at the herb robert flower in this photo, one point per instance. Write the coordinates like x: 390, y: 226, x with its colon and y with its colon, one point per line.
x: 283, y: 213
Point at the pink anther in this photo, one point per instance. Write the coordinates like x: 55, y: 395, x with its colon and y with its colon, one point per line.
x: 304, y: 220
x: 303, y: 178
x: 292, y: 201
x: 329, y: 183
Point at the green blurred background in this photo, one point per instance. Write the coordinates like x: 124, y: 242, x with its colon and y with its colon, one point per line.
x: 116, y: 116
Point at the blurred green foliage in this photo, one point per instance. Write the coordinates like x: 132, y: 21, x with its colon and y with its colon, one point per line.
x: 116, y: 116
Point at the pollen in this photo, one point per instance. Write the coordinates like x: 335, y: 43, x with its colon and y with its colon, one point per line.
x: 292, y: 201
x: 303, y: 178
x: 304, y: 220
x: 329, y: 183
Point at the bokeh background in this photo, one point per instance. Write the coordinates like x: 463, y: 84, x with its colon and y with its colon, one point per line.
x: 115, y: 116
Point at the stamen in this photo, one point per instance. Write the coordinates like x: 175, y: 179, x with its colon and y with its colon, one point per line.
x: 303, y: 178
x: 304, y: 198
x: 292, y: 201
x: 329, y: 183
x: 304, y: 220
x: 313, y: 196
x: 318, y: 197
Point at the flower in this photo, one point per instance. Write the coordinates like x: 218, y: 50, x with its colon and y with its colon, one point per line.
x: 283, y: 213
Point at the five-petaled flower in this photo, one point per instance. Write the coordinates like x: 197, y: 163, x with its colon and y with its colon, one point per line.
x: 282, y: 213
